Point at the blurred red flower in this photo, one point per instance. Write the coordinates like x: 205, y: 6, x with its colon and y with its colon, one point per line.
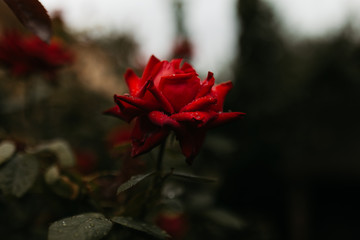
x: 171, y: 97
x: 25, y: 55
x: 86, y: 161
x: 183, y: 48
x: 119, y: 136
x: 175, y: 224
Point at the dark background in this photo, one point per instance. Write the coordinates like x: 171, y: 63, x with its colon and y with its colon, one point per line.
x: 296, y: 171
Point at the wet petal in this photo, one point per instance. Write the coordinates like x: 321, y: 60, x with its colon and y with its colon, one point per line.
x: 150, y: 66
x: 165, y: 68
x: 180, y: 89
x: 114, y: 111
x: 206, y: 85
x: 199, y: 104
x: 175, y: 63
x: 126, y: 113
x: 134, y: 101
x: 187, y: 68
x: 197, y: 118
x: 165, y: 104
x: 161, y: 119
x: 220, y: 91
x: 225, y: 117
x: 133, y: 82
x: 146, y: 136
x: 191, y: 141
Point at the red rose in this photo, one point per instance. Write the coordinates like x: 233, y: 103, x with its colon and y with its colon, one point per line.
x: 169, y: 97
x: 28, y: 55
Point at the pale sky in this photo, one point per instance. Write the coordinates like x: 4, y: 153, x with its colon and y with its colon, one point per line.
x: 210, y: 23
x: 313, y: 18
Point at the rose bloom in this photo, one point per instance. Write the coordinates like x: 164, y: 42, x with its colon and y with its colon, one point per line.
x: 25, y: 55
x: 169, y: 97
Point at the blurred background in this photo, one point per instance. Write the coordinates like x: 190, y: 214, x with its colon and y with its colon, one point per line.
x: 291, y: 169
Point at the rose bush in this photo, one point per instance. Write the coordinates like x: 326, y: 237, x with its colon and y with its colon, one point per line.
x: 169, y: 97
x: 25, y: 55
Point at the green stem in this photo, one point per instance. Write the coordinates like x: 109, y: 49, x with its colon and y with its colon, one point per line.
x: 153, y: 192
x: 159, y: 162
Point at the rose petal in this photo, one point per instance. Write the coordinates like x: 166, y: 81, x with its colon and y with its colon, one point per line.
x: 133, y: 82
x: 160, y: 119
x: 124, y: 111
x: 165, y: 68
x: 191, y: 141
x: 180, y: 89
x: 199, y: 119
x: 114, y: 111
x: 225, y: 117
x: 150, y: 66
x: 146, y: 136
x: 220, y: 91
x: 175, y: 63
x: 165, y: 104
x: 199, y: 104
x: 187, y: 68
x: 143, y: 93
x: 206, y: 85
x: 136, y: 102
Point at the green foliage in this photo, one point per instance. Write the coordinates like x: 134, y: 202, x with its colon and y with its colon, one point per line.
x: 141, y: 226
x: 19, y: 174
x: 88, y: 226
x: 7, y: 149
x: 133, y: 181
x: 191, y: 177
x: 226, y: 219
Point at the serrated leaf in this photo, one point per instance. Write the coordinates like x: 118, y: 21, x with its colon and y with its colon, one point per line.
x: 88, y: 226
x: 192, y: 177
x: 133, y: 181
x: 18, y: 176
x: 33, y: 16
x: 142, y: 227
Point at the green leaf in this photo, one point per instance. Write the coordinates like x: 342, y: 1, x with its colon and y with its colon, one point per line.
x: 133, y: 181
x: 7, y: 149
x: 32, y: 15
x: 193, y: 178
x: 60, y: 148
x: 142, y: 227
x: 87, y: 226
x: 225, y: 218
x: 18, y: 176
